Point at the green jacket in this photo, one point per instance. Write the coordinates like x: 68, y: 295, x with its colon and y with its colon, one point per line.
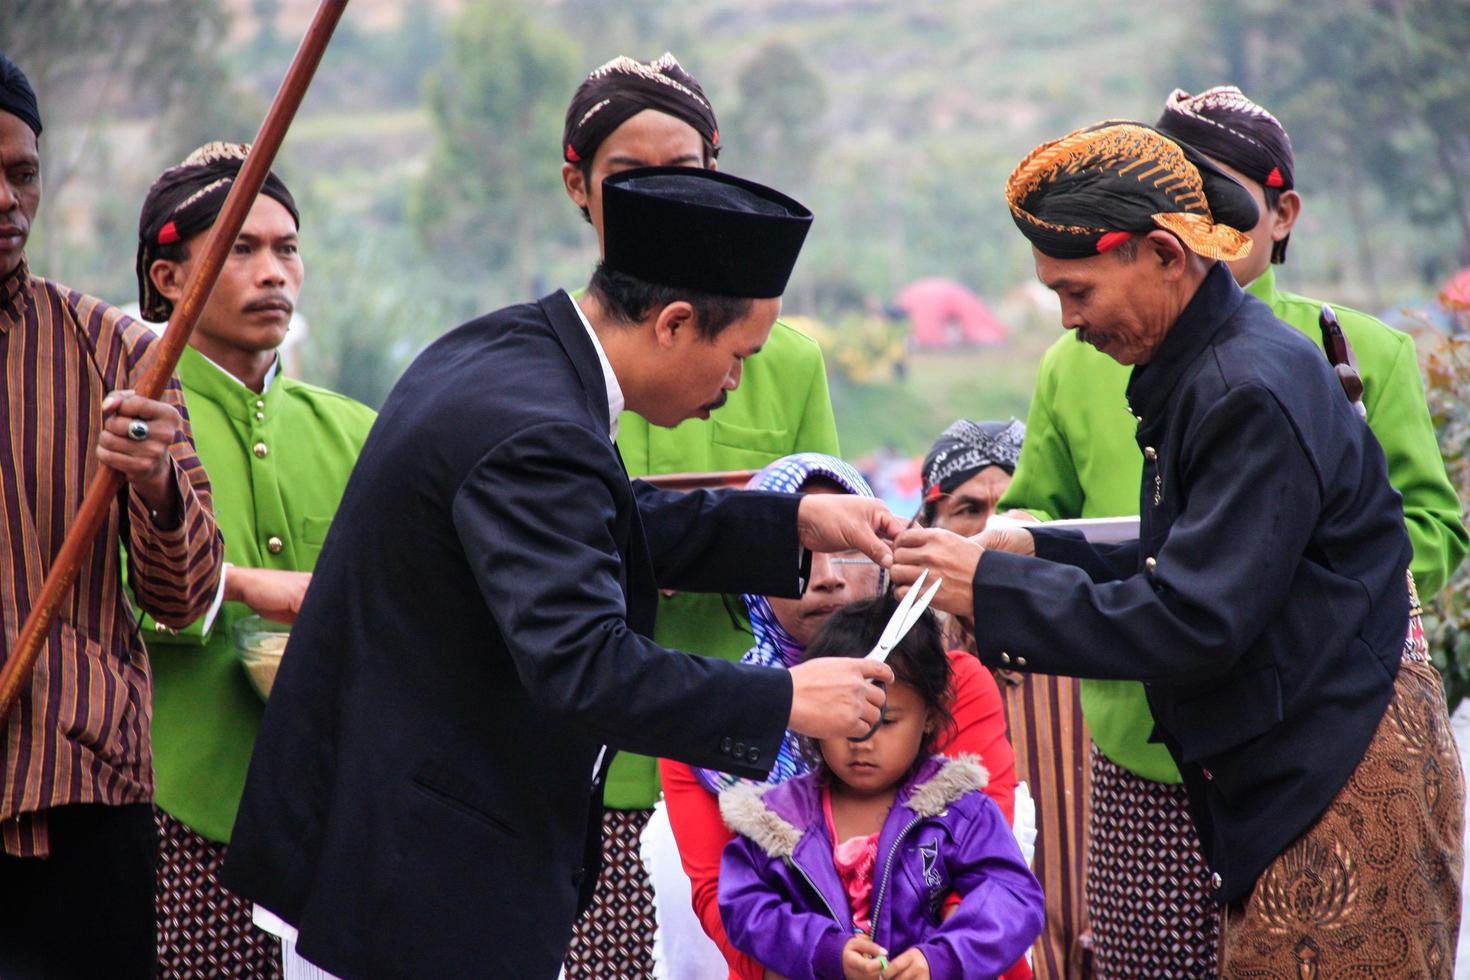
x: 781, y: 407
x: 278, y: 462
x: 1080, y: 459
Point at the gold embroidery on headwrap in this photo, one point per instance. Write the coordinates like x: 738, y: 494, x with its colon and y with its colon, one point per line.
x: 1138, y: 152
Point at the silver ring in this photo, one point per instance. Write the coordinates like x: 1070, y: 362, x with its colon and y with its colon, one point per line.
x: 138, y: 430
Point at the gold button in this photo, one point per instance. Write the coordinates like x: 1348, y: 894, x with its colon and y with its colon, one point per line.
x: 1149, y: 564
x: 261, y: 449
x: 1005, y: 658
x: 1150, y: 454
x: 260, y: 416
x: 1020, y: 661
x: 274, y: 544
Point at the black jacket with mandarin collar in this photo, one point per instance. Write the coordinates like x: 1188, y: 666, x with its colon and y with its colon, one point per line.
x: 1265, y: 602
x: 421, y: 799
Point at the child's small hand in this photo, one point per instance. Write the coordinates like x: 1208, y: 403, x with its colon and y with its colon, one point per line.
x: 860, y: 958
x: 908, y: 965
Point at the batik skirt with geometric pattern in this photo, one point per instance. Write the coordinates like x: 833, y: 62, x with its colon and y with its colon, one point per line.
x: 614, y: 937
x: 1148, y: 887
x: 1372, y: 889
x: 204, y: 930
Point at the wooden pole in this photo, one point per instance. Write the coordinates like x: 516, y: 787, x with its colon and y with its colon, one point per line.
x: 164, y: 358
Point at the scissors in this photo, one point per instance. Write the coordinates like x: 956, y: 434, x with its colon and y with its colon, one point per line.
x: 903, y: 619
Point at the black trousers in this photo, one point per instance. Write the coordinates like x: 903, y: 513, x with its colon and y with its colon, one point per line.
x: 87, y: 910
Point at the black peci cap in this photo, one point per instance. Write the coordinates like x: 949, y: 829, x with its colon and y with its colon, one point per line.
x: 705, y: 230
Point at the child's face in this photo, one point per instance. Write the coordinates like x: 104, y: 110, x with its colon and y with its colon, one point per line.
x: 878, y: 764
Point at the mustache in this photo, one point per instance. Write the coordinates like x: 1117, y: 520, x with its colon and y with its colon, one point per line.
x: 266, y: 303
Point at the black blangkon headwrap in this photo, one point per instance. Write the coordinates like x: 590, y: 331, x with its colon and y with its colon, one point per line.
x: 185, y: 200
x: 16, y: 95
x: 622, y: 88
x: 1226, y: 126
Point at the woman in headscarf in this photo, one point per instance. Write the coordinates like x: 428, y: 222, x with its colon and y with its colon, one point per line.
x: 782, y: 628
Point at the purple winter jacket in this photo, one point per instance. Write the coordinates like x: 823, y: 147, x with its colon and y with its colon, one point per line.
x: 783, y: 903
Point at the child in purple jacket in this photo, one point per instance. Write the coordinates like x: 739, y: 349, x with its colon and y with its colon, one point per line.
x: 886, y: 860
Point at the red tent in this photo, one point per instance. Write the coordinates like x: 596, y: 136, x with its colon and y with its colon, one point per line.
x: 946, y: 314
x: 1456, y: 293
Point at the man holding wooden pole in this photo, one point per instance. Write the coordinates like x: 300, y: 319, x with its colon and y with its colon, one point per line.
x: 76, y: 822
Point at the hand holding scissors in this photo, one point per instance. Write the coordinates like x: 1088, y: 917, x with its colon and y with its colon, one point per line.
x: 903, y: 619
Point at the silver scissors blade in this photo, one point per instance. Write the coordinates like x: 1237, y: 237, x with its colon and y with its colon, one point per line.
x: 905, y: 616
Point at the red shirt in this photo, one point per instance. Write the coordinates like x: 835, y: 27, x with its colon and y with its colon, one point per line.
x: 694, y: 812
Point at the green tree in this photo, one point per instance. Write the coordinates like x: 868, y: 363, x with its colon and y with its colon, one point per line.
x: 776, y: 130
x: 1376, y: 95
x: 492, y: 199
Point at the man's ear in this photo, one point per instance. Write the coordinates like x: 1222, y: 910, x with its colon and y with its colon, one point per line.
x: 1166, y: 250
x: 1288, y: 209
x: 169, y: 278
x: 672, y: 321
x: 575, y: 184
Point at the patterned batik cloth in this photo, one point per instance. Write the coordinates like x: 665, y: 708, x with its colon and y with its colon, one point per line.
x: 204, y: 930
x: 1373, y: 888
x: 1044, y: 719
x: 614, y: 937
x: 1148, y: 888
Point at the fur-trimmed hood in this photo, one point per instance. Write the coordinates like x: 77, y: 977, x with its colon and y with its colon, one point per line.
x: 777, y: 817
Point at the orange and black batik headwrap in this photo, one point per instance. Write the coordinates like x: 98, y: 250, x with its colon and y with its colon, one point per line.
x: 1090, y: 191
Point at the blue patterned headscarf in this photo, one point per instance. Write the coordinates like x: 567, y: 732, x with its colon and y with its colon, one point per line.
x: 774, y: 647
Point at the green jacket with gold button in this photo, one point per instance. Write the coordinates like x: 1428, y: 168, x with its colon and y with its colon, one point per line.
x: 781, y: 407
x: 278, y: 462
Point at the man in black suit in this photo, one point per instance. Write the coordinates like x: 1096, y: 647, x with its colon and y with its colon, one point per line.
x: 424, y: 793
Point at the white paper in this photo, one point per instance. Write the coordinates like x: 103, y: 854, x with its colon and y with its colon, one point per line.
x: 1098, y: 530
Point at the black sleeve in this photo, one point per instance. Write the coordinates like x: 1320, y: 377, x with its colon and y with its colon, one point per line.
x: 1101, y: 562
x: 1222, y: 573
x: 722, y: 540
x: 536, y: 519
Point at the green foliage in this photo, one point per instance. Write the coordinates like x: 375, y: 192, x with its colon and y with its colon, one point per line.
x: 1403, y: 131
x: 776, y: 129
x: 492, y: 199
x: 1446, y: 364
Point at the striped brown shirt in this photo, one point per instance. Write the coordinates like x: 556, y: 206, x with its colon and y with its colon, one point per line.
x: 80, y: 733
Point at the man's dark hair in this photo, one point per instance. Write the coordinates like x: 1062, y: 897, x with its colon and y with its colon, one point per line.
x: 919, y: 659
x: 629, y: 299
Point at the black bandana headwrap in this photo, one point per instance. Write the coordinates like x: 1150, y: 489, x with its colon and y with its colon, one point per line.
x: 186, y: 200
x: 966, y: 448
x: 1224, y: 125
x: 16, y: 95
x: 622, y: 88
x: 1091, y: 190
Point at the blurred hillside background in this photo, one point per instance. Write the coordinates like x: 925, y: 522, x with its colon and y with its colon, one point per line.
x: 426, y: 161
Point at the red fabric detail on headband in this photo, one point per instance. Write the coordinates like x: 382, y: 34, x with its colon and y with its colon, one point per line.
x: 1274, y: 178
x: 168, y: 234
x: 1112, y: 240
x: 716, y: 140
x: 934, y: 494
x: 572, y: 155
